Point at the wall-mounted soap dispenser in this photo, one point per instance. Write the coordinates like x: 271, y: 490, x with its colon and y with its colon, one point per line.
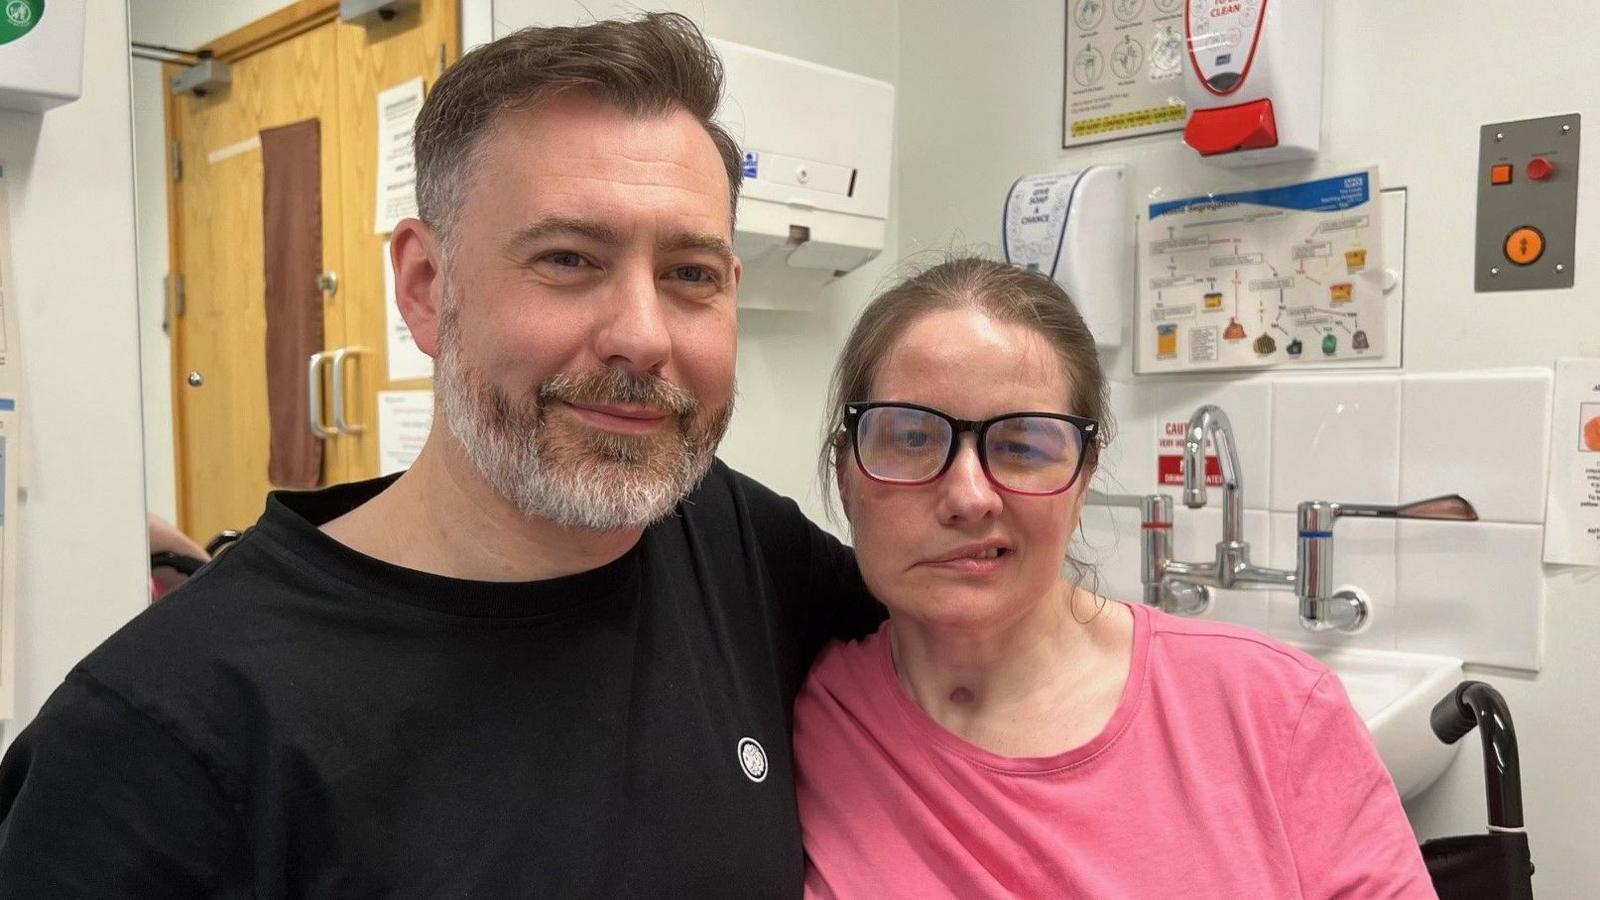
x: 1077, y: 228
x: 1253, y: 79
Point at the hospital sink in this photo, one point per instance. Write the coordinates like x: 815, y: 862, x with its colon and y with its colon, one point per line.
x: 1394, y: 692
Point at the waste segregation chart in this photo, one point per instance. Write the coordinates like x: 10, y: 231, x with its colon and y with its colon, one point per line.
x: 1260, y: 278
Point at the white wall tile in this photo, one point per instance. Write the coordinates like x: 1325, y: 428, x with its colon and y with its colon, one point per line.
x: 1128, y: 465
x: 1248, y: 405
x: 1108, y: 540
x: 1364, y: 557
x: 1473, y: 590
x: 1335, y: 438
x: 1195, y: 533
x: 1484, y: 436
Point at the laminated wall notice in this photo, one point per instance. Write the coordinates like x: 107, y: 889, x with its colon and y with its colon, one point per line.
x: 1270, y: 277
x: 1124, y: 62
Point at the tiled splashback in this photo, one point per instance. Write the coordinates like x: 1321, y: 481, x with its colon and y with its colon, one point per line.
x: 1473, y: 590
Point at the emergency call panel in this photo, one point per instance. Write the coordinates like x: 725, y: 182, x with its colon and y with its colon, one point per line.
x: 1527, y: 204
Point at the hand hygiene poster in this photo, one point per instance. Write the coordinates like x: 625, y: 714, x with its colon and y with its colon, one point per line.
x: 1262, y: 278
x: 1124, y: 67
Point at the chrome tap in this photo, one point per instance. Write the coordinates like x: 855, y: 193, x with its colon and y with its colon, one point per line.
x: 1211, y: 421
x: 1186, y: 587
x: 1155, y: 535
x: 1322, y: 608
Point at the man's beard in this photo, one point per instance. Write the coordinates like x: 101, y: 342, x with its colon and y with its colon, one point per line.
x: 568, y: 473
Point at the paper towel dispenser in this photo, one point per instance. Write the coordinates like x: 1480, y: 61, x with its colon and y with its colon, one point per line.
x: 1077, y: 228
x: 817, y: 146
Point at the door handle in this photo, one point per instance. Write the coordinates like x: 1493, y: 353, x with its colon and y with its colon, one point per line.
x: 340, y: 424
x: 314, y: 394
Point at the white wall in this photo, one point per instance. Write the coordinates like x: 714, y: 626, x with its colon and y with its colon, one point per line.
x: 81, y: 569
x: 784, y: 357
x: 150, y: 187
x: 1408, y: 86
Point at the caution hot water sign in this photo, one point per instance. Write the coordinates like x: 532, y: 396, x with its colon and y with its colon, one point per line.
x: 1169, y: 456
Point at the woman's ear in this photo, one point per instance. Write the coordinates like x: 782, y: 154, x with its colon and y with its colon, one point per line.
x: 841, y: 477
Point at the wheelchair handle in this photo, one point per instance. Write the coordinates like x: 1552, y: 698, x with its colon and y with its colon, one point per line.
x: 1474, y: 704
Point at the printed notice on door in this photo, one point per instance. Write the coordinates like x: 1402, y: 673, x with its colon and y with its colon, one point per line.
x: 1124, y: 69
x: 397, y: 172
x: 1572, y: 502
x: 404, y: 418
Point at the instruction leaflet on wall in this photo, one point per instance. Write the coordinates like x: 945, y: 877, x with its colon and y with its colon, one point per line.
x: 1262, y: 278
x: 10, y: 358
x: 1124, y: 69
x: 404, y: 418
x: 9, y: 420
x: 10, y: 459
x: 397, y: 172
x: 1572, y: 503
x: 405, y: 360
x: 10, y: 353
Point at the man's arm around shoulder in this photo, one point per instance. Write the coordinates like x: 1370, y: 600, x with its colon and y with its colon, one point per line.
x: 817, y: 576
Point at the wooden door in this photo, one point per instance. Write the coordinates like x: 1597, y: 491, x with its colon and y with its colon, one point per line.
x: 219, y: 335
x: 372, y: 58
x: 300, y: 62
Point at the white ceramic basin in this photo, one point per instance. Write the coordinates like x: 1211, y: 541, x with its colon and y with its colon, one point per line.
x: 1394, y: 692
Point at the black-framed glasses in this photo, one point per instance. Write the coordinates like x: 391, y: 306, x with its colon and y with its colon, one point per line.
x: 1038, y: 453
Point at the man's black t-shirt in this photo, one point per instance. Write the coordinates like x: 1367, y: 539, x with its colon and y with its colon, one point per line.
x: 303, y: 720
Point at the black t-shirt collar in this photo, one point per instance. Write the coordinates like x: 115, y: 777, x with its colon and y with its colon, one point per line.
x: 292, y: 524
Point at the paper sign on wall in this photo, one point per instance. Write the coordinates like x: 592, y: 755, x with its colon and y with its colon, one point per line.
x: 9, y: 419
x: 10, y: 358
x: 405, y: 360
x: 1572, y: 502
x: 1272, y: 277
x: 397, y: 173
x: 1169, y: 454
x: 1124, y: 68
x: 404, y: 418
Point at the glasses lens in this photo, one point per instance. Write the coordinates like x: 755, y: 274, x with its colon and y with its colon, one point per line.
x: 1033, y: 454
x: 898, y: 444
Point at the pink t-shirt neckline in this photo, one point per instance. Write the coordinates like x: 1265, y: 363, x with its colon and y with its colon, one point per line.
x: 928, y: 727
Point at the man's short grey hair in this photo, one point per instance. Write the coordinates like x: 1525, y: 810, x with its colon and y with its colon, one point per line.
x: 649, y: 66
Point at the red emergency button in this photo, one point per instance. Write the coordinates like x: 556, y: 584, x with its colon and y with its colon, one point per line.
x: 1540, y: 169
x: 1248, y: 126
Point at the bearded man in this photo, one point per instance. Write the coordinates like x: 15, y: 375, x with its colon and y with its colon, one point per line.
x: 554, y: 658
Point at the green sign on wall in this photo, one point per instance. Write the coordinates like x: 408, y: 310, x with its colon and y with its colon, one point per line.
x: 19, y: 17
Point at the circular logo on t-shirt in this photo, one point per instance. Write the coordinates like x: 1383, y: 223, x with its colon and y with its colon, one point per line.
x: 753, y: 759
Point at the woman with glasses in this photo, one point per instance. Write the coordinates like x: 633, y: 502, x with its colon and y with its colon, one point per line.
x: 1009, y: 733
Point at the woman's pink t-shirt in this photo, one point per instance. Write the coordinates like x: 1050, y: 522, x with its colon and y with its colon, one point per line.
x: 1233, y: 766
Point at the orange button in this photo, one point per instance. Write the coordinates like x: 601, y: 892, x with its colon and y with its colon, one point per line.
x: 1500, y: 174
x: 1525, y: 245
